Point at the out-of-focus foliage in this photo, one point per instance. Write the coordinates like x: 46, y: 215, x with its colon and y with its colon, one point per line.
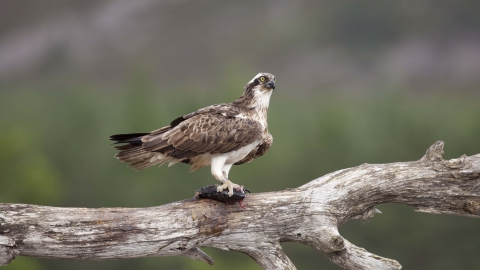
x: 358, y: 82
x: 21, y: 157
x: 55, y: 151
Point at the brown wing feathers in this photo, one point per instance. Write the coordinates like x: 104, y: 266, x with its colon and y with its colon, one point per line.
x: 193, y: 136
x: 206, y: 133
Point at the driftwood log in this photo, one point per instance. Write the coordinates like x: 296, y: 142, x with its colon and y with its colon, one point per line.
x: 310, y: 214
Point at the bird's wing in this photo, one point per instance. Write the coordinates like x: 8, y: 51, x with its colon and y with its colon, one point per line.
x: 223, y: 109
x: 204, y: 133
x: 258, y: 151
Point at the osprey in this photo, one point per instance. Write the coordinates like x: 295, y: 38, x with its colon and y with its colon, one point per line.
x: 218, y: 136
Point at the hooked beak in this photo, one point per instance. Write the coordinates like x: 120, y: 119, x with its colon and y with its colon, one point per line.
x: 271, y: 84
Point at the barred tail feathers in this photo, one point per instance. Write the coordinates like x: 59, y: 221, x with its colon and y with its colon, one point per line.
x: 132, y: 151
x: 139, y: 158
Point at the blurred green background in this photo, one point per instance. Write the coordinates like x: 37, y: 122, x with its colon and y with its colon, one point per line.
x: 357, y: 82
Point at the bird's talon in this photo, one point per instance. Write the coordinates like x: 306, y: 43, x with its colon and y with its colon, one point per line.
x: 228, y: 185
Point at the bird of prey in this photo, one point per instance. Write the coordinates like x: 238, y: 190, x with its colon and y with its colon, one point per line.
x: 218, y: 136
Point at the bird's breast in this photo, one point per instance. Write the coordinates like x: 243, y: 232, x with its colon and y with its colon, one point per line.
x: 232, y: 157
x: 241, y: 153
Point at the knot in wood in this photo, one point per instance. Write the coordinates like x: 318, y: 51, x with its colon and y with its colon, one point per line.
x: 337, y: 243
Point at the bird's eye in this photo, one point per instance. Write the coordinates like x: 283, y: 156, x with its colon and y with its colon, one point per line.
x: 262, y: 79
x: 274, y: 79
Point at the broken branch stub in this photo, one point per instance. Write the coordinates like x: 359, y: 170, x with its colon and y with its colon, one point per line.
x: 310, y: 214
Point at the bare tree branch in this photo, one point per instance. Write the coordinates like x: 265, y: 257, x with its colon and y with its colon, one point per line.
x: 310, y: 214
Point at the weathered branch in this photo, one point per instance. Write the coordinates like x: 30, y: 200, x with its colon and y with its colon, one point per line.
x: 310, y: 214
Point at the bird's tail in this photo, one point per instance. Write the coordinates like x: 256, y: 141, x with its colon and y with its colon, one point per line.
x: 133, y: 153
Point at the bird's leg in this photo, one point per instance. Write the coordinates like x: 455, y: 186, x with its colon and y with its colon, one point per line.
x: 227, y: 183
x: 220, y: 172
x: 226, y: 169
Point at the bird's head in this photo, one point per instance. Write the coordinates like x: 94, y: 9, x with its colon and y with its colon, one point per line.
x: 257, y: 91
x: 262, y: 81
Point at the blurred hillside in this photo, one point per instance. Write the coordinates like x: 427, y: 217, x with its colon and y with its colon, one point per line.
x: 352, y: 46
x: 357, y: 82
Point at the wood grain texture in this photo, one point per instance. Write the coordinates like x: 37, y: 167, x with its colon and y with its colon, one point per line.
x: 310, y: 214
